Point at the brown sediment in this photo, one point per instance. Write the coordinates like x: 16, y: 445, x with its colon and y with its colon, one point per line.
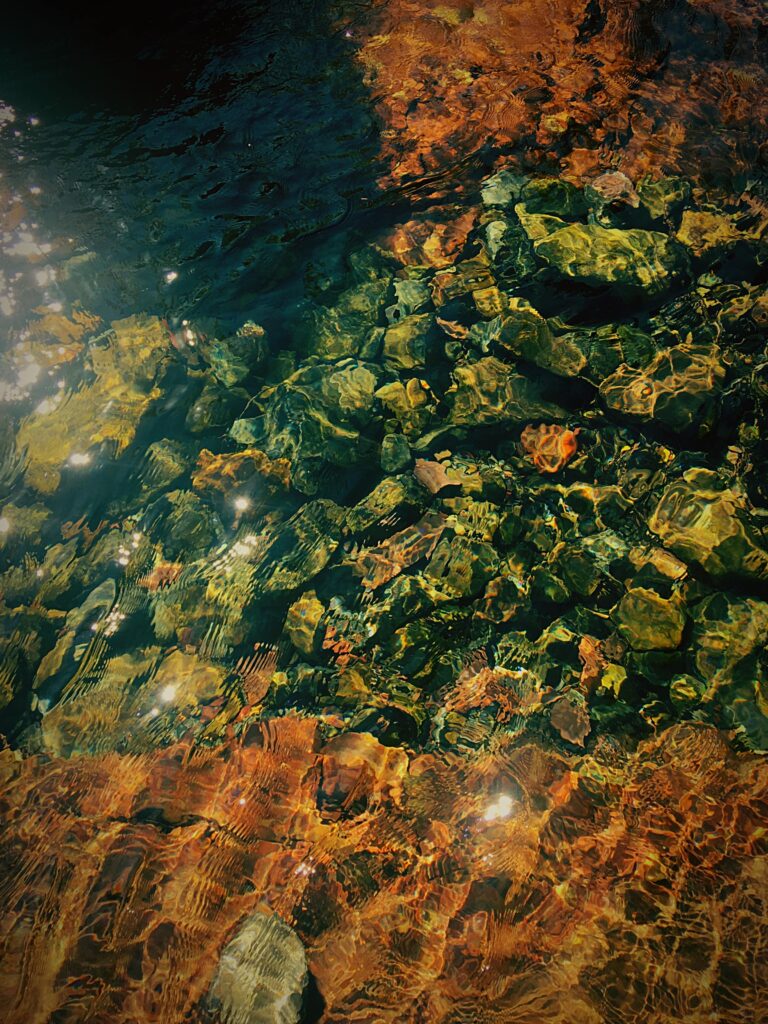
x: 643, y: 87
x: 515, y: 884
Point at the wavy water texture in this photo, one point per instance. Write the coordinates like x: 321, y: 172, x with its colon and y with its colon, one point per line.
x: 646, y: 86
x: 515, y: 885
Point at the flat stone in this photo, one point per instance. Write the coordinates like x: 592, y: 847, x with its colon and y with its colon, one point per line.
x: 261, y: 975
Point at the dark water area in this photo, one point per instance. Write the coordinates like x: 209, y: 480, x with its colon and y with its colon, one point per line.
x: 216, y: 142
x: 383, y: 513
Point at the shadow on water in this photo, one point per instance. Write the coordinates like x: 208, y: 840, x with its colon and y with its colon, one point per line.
x: 212, y: 141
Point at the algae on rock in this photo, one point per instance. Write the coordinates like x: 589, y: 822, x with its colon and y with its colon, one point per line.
x: 127, y: 366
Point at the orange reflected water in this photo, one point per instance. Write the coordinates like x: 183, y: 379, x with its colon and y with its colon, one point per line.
x: 645, y: 86
x: 516, y: 885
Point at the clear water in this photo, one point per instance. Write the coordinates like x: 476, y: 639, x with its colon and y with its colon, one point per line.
x: 384, y: 598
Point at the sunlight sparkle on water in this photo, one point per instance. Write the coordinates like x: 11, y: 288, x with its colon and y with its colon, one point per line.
x: 501, y: 808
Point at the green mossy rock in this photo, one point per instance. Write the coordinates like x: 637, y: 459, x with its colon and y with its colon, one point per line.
x: 395, y: 453
x: 650, y: 622
x: 393, y: 494
x: 406, y: 343
x: 461, y: 566
x: 412, y: 405
x: 346, y: 329
x: 488, y: 392
x: 631, y: 260
x: 663, y: 199
x: 554, y: 196
x: 315, y: 418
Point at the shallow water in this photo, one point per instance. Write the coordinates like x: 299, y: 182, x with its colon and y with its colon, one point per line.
x: 384, y: 564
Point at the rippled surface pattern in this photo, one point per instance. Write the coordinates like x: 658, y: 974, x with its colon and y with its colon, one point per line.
x: 383, y: 504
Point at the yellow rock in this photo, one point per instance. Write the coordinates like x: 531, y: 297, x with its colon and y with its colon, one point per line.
x: 703, y: 232
x: 104, y: 412
x: 303, y: 620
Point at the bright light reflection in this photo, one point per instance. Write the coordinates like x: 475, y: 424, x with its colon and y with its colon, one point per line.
x: 167, y: 694
x: 502, y: 807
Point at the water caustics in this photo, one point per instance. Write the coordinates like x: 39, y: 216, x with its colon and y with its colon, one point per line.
x: 384, y: 584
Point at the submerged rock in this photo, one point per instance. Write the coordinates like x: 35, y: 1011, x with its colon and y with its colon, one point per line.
x: 127, y: 364
x: 705, y: 233
x: 395, y: 453
x: 488, y: 392
x: 412, y: 404
x: 630, y: 259
x: 650, y: 622
x: 261, y: 975
x: 316, y: 418
x: 677, y: 389
x: 406, y: 343
x: 706, y: 522
x: 550, y: 447
x: 352, y: 326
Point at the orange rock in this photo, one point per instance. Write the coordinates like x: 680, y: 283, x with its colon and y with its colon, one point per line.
x: 549, y: 446
x: 222, y: 472
x: 162, y: 575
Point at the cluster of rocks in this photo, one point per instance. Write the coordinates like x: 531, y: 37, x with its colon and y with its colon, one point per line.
x: 523, y: 490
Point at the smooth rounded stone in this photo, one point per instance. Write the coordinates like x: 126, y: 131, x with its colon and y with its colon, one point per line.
x: 650, y: 622
x: 488, y: 391
x: 631, y: 259
x: 686, y: 691
x: 261, y: 974
x: 705, y: 522
x: 247, y: 431
x: 58, y: 666
x: 678, y: 388
x: 395, y: 453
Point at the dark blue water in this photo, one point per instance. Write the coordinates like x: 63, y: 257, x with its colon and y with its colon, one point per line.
x: 213, y: 142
